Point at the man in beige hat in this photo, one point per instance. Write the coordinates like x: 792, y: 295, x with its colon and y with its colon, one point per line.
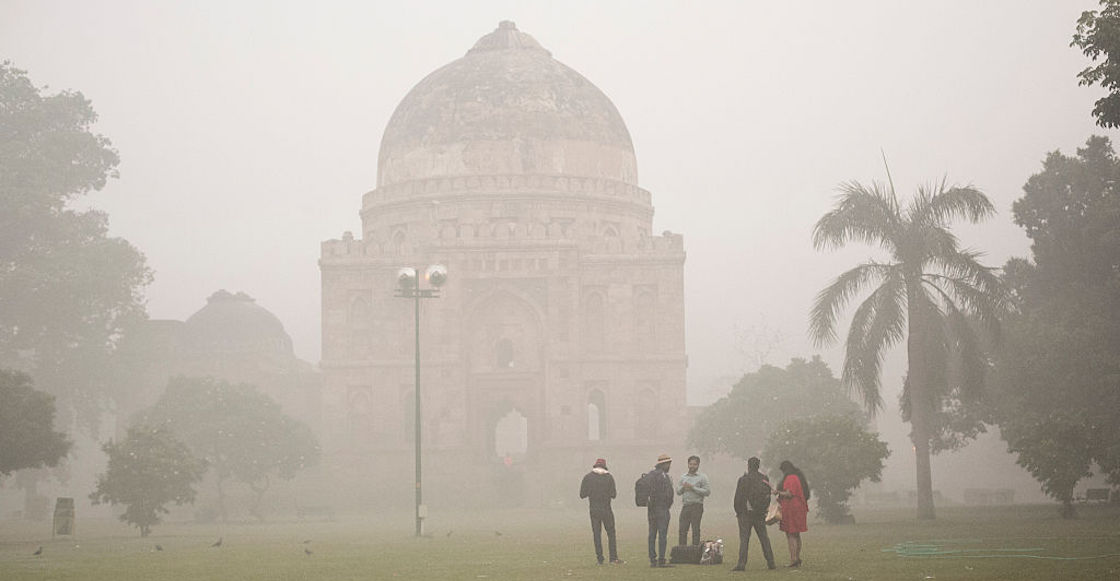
x: 657, y: 511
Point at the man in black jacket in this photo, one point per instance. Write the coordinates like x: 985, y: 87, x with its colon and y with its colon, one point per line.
x: 752, y: 499
x: 657, y: 511
x: 598, y: 486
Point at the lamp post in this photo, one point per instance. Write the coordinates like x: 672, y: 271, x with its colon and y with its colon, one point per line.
x: 408, y: 287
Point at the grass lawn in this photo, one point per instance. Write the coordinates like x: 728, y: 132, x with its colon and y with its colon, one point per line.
x: 1019, y: 543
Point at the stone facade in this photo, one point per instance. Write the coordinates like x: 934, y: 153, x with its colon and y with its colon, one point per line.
x: 563, y: 313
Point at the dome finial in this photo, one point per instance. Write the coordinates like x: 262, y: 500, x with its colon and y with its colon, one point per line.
x: 506, y: 37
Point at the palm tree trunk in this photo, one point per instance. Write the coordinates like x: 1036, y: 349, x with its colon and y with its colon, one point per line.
x: 918, y: 378
x: 924, y: 473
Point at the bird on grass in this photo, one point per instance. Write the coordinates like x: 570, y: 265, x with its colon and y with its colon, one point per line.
x: 217, y: 543
x: 159, y: 547
x: 307, y: 551
x: 449, y: 533
x: 38, y: 551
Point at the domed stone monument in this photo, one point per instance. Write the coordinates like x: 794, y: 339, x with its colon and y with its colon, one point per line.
x: 231, y: 338
x: 235, y: 326
x: 559, y: 335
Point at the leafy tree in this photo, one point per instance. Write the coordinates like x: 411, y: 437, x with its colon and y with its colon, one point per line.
x: 67, y: 289
x: 835, y: 452
x: 27, y: 436
x: 1098, y: 37
x: 147, y: 470
x: 1057, y: 377
x: 739, y: 423
x: 238, y: 430
x: 930, y: 292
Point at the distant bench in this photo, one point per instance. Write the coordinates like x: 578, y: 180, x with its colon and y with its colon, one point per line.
x: 323, y: 512
x: 989, y: 496
x: 1097, y: 494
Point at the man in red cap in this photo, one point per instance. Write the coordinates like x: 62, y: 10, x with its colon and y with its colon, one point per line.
x: 598, y: 487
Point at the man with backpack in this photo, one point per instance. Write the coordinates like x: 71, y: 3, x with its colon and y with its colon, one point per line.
x: 752, y: 499
x: 654, y: 490
x: 598, y: 487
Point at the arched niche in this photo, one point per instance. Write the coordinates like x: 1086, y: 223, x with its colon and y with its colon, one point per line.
x: 504, y: 334
x: 510, y: 435
x: 399, y: 244
x: 596, y: 415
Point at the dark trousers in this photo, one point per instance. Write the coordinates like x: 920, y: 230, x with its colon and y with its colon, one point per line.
x: 690, y: 517
x: 746, y: 523
x: 603, y: 520
x: 658, y: 525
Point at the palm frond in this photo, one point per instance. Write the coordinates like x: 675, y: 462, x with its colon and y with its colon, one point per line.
x: 878, y: 323
x: 967, y: 354
x: 938, y: 204
x: 890, y: 180
x: 965, y: 264
x: 833, y: 298
x: 983, y: 307
x: 919, y: 207
x: 966, y: 351
x: 939, y: 241
x: 981, y: 292
x: 861, y: 214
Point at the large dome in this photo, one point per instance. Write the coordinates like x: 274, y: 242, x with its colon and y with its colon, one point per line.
x: 506, y: 108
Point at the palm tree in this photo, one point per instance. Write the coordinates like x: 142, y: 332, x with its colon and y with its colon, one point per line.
x: 930, y: 292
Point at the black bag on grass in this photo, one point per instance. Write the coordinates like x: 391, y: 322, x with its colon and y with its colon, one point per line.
x: 686, y: 554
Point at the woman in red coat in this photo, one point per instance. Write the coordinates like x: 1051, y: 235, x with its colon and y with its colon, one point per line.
x: 793, y: 495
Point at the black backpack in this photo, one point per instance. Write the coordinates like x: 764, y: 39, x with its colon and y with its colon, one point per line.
x: 643, y: 489
x: 758, y: 495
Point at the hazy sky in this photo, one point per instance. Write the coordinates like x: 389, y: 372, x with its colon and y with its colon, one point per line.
x: 248, y: 131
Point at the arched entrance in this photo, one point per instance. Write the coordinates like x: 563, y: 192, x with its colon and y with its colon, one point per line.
x: 511, y: 436
x: 506, y: 375
x: 507, y: 450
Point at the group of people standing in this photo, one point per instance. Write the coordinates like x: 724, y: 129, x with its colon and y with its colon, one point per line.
x: 752, y: 502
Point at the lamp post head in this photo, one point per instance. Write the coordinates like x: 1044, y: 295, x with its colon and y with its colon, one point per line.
x: 436, y: 275
x: 406, y: 278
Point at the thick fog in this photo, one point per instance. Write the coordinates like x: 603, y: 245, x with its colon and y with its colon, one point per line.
x: 249, y: 131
